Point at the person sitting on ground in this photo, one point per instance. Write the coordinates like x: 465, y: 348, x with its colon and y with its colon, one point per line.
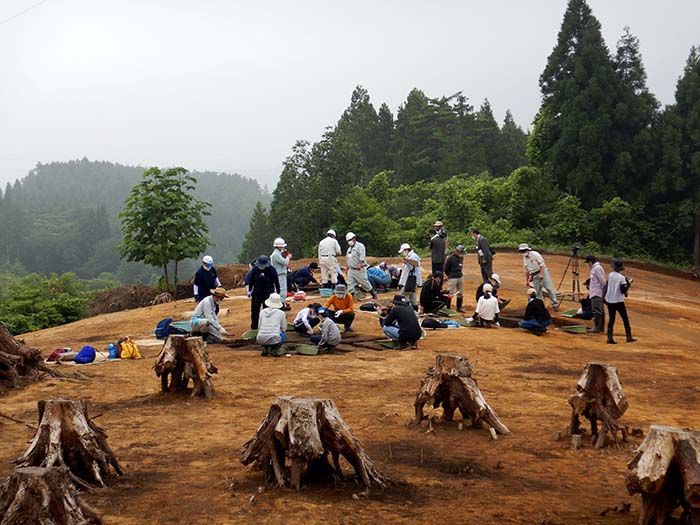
x: 486, y: 312
x: 400, y: 323
x: 204, y: 317
x: 305, y: 275
x: 342, y: 306
x: 379, y: 277
x: 330, y: 334
x: 306, y: 319
x: 537, y: 318
x: 495, y: 282
x: 273, y: 325
x: 432, y: 298
x: 205, y: 279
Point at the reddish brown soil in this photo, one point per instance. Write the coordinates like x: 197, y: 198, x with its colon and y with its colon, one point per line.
x: 182, y: 454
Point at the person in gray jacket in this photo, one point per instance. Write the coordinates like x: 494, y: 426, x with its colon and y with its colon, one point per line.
x: 330, y: 333
x: 357, y: 266
x: 204, y: 317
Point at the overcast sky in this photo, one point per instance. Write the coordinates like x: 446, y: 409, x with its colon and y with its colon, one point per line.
x: 226, y: 85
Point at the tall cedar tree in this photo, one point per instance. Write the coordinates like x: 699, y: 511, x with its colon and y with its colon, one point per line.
x: 257, y: 240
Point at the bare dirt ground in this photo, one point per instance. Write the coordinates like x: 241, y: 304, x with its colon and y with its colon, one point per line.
x: 182, y: 454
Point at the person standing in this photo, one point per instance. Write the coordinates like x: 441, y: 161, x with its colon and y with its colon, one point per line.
x: 342, y: 306
x: 328, y: 250
x: 618, y: 285
x: 205, y: 316
x: 437, y: 252
x: 483, y: 254
x: 280, y: 258
x: 205, y: 279
x: 537, y: 274
x: 411, y: 275
x: 455, y: 277
x: 273, y: 326
x: 357, y: 266
x: 263, y: 282
x: 596, y: 282
x: 536, y: 317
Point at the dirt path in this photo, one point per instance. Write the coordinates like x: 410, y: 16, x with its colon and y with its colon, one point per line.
x: 182, y: 454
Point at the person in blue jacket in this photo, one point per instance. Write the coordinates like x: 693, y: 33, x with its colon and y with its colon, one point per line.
x: 205, y: 279
x: 263, y: 282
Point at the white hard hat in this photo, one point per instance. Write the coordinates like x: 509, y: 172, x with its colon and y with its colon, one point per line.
x: 279, y: 243
x: 207, y: 259
x: 405, y: 246
x: 350, y: 236
x: 488, y: 288
x: 331, y: 232
x: 496, y: 277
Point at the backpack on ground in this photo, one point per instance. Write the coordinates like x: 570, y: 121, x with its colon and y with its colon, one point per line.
x: 369, y: 307
x: 86, y: 355
x: 128, y: 349
x: 430, y: 322
x: 163, y: 328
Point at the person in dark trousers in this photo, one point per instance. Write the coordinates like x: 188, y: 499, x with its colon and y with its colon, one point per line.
x: 305, y: 275
x: 342, y: 306
x: 537, y: 318
x: 455, y: 277
x: 596, y: 284
x: 618, y: 286
x: 329, y: 338
x: 306, y: 319
x: 432, y: 299
x: 401, y: 323
x: 483, y: 254
x: 437, y: 252
x: 263, y: 282
x: 205, y: 279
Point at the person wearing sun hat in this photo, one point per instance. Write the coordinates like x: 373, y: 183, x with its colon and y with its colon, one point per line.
x: 205, y: 279
x: 204, y: 317
x: 273, y: 325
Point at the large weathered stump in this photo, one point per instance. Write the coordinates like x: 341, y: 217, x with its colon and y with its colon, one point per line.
x: 43, y: 496
x: 599, y: 397
x: 67, y: 437
x: 666, y: 472
x: 450, y: 384
x: 19, y: 364
x: 181, y: 359
x: 296, y: 437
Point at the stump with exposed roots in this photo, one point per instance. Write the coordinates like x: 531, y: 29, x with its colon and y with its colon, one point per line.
x: 67, y: 437
x: 43, y: 496
x: 181, y: 359
x: 19, y: 364
x: 296, y: 437
x: 599, y: 397
x: 450, y: 384
x: 666, y: 472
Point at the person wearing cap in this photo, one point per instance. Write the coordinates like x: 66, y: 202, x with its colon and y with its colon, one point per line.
x: 596, y: 283
x: 328, y: 250
x: 305, y: 275
x: 205, y: 279
x: 342, y: 307
x: 432, y: 298
x: 536, y: 318
x: 537, y: 274
x: 205, y: 319
x: 306, y: 319
x: 273, y: 325
x: 411, y: 274
x: 356, y: 261
x: 330, y: 334
x: 379, y: 276
x: 441, y: 230
x: 279, y: 258
x: 495, y: 282
x: 400, y: 323
x: 455, y: 277
x: 486, y: 311
x: 437, y: 251
x: 484, y: 255
x: 263, y: 282
x: 616, y: 291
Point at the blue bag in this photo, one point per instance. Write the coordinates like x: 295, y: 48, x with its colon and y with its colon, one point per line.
x: 86, y: 355
x: 163, y: 328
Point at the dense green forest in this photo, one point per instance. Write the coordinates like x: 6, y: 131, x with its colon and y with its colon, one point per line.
x: 604, y: 166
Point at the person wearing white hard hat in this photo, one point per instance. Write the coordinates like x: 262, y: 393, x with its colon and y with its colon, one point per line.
x: 205, y: 279
x: 280, y: 258
x: 356, y: 261
x: 328, y: 250
x: 537, y: 274
x: 411, y: 275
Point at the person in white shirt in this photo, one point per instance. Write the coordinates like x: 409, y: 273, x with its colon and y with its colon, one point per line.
x: 328, y: 250
x: 486, y: 312
x: 306, y: 319
x: 411, y: 275
x: 615, y: 295
x: 537, y: 274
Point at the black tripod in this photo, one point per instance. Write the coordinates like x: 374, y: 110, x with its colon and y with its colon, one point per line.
x: 575, y: 294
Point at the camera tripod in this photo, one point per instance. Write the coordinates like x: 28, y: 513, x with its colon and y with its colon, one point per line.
x: 575, y: 294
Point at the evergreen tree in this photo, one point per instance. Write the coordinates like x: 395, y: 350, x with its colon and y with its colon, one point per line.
x: 487, y: 138
x: 512, y: 144
x: 385, y: 133
x: 257, y: 240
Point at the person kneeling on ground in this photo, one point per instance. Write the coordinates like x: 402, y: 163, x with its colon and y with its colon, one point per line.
x: 330, y: 334
x: 204, y: 317
x: 432, y: 298
x: 342, y: 306
x: 379, y: 276
x: 486, y: 313
x: 400, y: 324
x: 537, y: 318
x: 273, y: 324
x: 305, y: 275
x: 306, y: 319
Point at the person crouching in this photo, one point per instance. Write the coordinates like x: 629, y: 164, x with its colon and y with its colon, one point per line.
x: 273, y: 324
x: 306, y: 319
x: 330, y: 333
x: 537, y: 318
x: 400, y: 324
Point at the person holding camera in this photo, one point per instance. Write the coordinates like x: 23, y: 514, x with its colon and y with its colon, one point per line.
x: 617, y: 288
x: 280, y: 258
x: 537, y: 274
x: 596, y: 283
x: 411, y: 276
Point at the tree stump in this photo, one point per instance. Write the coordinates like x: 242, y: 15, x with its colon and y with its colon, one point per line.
x: 67, y: 437
x: 450, y: 384
x: 43, y: 496
x: 19, y: 364
x: 599, y: 396
x: 666, y: 472
x: 301, y: 432
x: 181, y: 359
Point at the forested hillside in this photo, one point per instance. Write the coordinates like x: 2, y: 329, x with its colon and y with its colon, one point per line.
x: 604, y: 167
x: 62, y: 217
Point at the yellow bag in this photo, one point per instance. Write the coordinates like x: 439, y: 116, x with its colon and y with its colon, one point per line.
x: 129, y: 350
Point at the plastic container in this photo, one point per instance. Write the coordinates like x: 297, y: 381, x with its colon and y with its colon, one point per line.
x: 113, y: 352
x: 325, y: 292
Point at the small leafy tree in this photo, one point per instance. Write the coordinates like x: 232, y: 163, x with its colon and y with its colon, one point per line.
x: 162, y: 221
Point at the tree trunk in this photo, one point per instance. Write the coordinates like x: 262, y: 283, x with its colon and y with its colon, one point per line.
x: 450, y: 384
x: 67, y: 437
x: 304, y: 431
x: 19, y: 364
x: 43, y: 496
x: 696, y: 238
x: 181, y: 359
x: 175, y: 278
